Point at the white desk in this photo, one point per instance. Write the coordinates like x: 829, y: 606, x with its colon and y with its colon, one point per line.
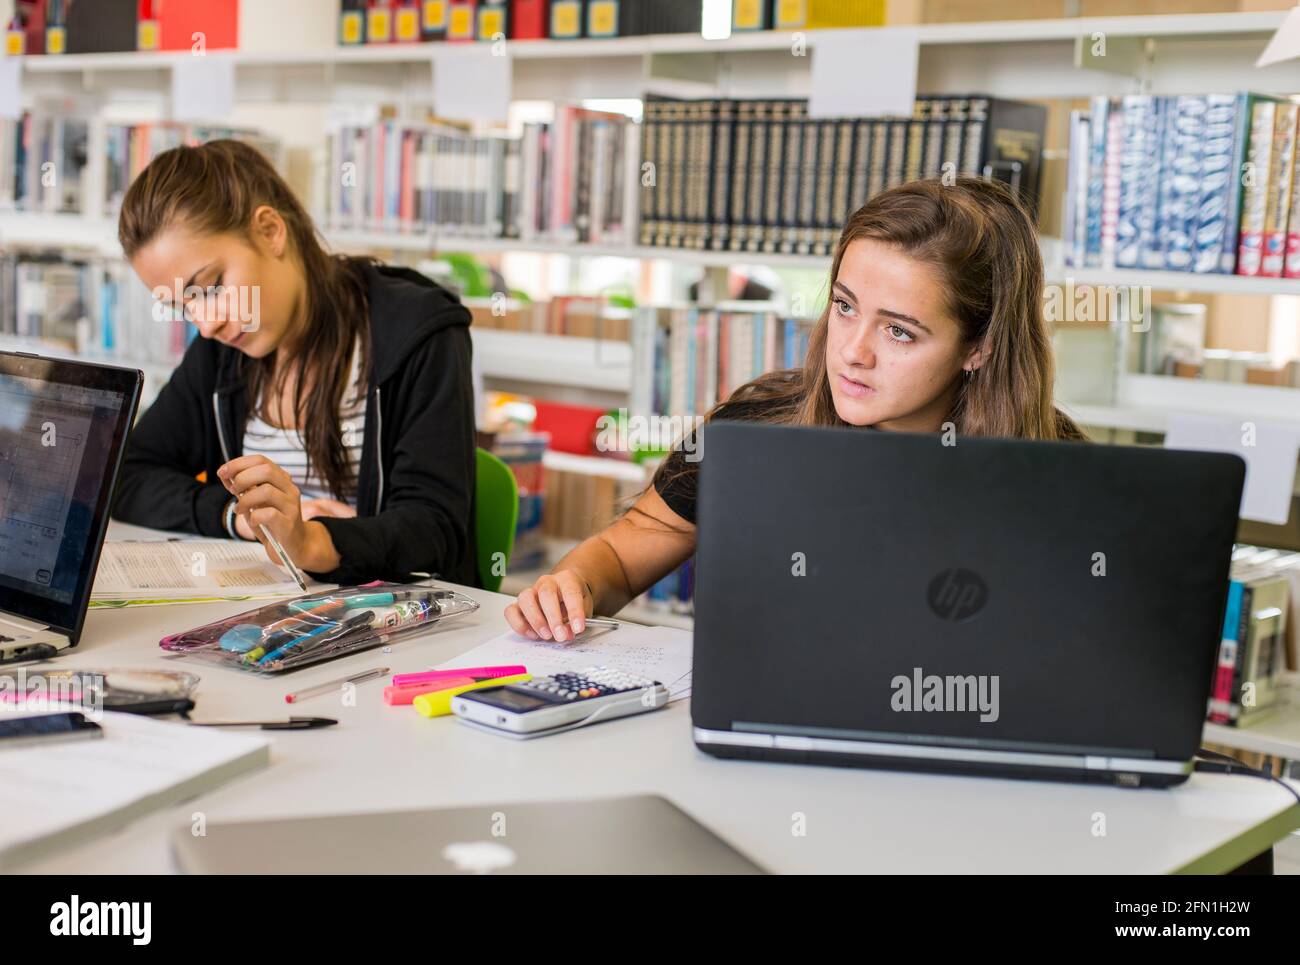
x: 390, y: 758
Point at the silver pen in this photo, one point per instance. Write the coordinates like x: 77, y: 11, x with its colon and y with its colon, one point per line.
x: 284, y: 558
x: 334, y: 685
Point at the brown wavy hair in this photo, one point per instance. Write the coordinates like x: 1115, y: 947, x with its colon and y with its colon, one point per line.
x: 215, y: 188
x: 983, y: 243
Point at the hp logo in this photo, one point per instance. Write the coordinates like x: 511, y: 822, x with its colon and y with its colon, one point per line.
x: 957, y: 595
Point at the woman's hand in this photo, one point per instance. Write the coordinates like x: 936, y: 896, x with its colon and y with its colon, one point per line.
x: 555, y: 607
x: 266, y: 496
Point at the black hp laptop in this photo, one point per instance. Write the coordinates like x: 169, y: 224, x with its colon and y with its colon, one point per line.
x: 1005, y: 607
x: 62, y: 429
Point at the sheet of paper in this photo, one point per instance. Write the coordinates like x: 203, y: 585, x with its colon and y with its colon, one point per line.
x: 863, y: 73
x: 472, y: 82
x: 203, y: 87
x: 11, y: 88
x: 661, y: 653
x: 56, y: 789
x: 186, y: 569
x: 1269, y: 448
x: 1285, y: 44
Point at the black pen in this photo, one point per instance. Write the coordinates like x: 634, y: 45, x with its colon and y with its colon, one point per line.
x: 293, y: 723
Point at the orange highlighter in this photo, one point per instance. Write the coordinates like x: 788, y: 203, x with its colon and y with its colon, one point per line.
x: 438, y: 703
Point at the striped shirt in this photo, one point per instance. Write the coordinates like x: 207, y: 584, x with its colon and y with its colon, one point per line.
x: 285, y: 447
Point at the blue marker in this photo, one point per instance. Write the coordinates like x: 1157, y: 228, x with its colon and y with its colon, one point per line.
x: 360, y: 619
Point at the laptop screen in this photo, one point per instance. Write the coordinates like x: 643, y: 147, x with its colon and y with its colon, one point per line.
x: 61, y: 430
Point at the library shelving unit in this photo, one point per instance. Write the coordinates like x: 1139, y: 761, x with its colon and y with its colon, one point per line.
x: 1040, y: 59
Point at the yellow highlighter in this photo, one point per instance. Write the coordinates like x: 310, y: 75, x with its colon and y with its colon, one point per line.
x: 438, y: 702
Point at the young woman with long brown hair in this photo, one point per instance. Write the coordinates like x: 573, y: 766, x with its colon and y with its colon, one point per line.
x: 329, y: 398
x: 934, y: 317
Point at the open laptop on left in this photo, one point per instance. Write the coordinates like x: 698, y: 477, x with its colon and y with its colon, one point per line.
x: 63, y: 427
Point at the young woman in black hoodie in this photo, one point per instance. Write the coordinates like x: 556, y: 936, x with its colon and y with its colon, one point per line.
x: 329, y: 398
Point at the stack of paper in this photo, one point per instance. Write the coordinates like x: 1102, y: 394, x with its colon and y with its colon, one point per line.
x: 660, y: 653
x: 63, y: 793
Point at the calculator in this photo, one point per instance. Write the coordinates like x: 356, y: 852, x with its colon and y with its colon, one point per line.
x: 562, y: 701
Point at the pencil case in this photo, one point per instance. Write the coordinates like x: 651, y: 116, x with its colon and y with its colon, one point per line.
x: 311, y: 629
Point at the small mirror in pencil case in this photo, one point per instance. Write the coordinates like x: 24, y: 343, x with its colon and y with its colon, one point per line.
x: 310, y: 629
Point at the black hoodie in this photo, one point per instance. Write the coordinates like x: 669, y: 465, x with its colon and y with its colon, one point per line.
x: 415, y: 486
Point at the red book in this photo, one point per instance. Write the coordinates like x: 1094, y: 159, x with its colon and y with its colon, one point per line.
x: 216, y: 21
x: 529, y: 19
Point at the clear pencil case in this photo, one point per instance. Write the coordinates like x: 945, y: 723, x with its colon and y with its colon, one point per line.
x: 307, y: 630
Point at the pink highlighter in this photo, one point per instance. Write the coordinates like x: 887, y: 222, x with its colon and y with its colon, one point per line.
x: 407, y: 686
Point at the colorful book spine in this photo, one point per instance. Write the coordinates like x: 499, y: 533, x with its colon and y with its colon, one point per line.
x: 1254, y: 195
x: 1215, y: 238
x: 1180, y: 183
x: 1280, y: 177
x: 1225, y: 665
x: 1100, y: 127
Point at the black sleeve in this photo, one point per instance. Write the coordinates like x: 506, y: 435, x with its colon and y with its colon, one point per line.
x: 677, y: 479
x: 165, y: 451
x: 425, y: 523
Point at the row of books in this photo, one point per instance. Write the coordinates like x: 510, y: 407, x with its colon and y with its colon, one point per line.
x: 412, y: 21
x: 1198, y: 183
x: 401, y: 178
x: 583, y: 316
x: 94, y: 307
x: 761, y: 176
x: 96, y: 26
x: 570, y: 180
x: 1258, y: 639
x: 43, y: 163
x: 130, y: 148
x: 686, y: 360
x: 45, y: 158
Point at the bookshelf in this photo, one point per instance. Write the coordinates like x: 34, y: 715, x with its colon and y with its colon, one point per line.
x: 1049, y: 57
x: 100, y: 235
x: 600, y: 370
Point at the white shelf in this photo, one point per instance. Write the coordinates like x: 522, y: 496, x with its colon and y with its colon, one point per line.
x: 1176, y: 281
x: 585, y: 363
x: 620, y: 469
x: 1193, y: 53
x: 100, y: 235
x: 995, y: 33
x: 1145, y: 403
x: 1276, y: 732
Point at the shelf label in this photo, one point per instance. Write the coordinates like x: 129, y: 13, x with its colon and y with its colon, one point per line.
x: 11, y: 88
x: 863, y: 73
x: 203, y: 88
x: 472, y: 82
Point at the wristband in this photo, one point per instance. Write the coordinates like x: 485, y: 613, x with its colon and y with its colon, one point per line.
x: 228, y: 518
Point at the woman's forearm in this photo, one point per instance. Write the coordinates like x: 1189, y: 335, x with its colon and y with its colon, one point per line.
x: 595, y: 561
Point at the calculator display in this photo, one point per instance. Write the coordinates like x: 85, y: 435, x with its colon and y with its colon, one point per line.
x: 511, y: 699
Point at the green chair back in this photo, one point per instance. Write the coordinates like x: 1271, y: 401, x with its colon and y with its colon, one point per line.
x: 496, y: 514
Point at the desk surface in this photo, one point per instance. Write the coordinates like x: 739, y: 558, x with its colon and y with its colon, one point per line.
x: 389, y: 758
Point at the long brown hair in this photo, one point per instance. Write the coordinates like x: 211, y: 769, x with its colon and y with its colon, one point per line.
x: 215, y: 188
x: 983, y: 244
